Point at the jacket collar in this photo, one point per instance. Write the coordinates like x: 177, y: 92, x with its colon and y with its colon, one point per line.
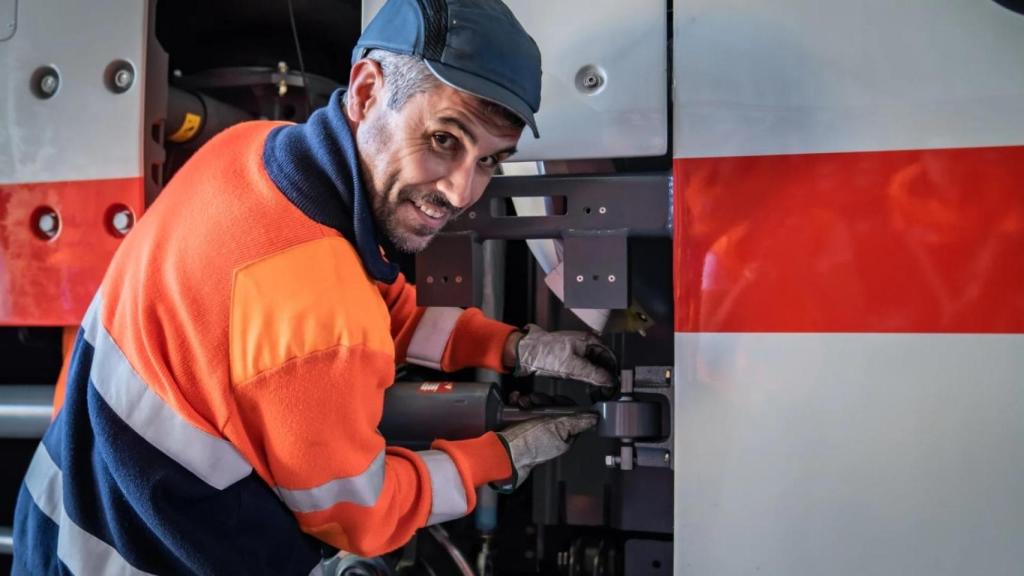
x: 316, y: 166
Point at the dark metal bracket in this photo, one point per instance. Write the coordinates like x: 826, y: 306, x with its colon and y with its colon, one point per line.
x: 600, y: 214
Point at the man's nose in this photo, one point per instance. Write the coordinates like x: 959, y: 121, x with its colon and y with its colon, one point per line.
x: 458, y: 186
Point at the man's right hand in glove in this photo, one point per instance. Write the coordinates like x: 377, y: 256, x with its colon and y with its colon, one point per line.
x: 539, y: 440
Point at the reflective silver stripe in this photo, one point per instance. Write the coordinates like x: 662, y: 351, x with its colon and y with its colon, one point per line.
x: 210, y: 458
x: 362, y: 490
x: 449, y: 497
x: 431, y: 336
x: 80, y: 551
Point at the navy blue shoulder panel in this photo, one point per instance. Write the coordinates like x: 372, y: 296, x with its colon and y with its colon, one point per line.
x: 315, y: 165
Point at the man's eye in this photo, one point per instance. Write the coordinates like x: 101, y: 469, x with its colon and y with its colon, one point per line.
x: 489, y: 162
x: 444, y: 140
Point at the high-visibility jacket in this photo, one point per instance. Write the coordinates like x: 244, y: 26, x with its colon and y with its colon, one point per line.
x: 223, y: 394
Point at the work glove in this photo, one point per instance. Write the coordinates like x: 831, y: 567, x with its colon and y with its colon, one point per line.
x: 539, y: 440
x: 574, y: 355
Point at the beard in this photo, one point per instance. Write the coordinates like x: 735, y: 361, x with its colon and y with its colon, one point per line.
x: 408, y: 237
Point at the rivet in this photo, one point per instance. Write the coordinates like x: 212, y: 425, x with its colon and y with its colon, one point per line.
x: 611, y: 278
x: 602, y: 210
x: 579, y: 278
x: 122, y: 221
x: 48, y: 224
x: 458, y: 279
x: 430, y: 279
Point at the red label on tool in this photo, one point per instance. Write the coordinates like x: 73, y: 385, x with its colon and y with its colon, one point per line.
x: 437, y: 387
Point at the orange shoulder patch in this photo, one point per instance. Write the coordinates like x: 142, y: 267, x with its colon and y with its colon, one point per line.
x: 302, y: 300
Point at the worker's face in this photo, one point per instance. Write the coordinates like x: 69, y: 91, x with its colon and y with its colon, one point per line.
x: 429, y: 161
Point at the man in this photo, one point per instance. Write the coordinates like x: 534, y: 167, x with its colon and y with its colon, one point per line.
x: 223, y: 395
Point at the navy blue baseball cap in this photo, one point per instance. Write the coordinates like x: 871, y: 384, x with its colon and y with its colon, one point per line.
x: 476, y: 46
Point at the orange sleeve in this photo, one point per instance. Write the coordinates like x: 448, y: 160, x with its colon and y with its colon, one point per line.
x: 467, y: 338
x: 68, y: 336
x: 310, y: 358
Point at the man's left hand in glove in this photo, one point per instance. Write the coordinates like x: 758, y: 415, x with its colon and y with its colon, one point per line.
x: 572, y: 355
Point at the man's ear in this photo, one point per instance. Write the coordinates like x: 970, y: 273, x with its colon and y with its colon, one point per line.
x: 365, y: 88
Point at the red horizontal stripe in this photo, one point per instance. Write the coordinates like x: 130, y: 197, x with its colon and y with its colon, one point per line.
x: 907, y: 241
x: 51, y: 282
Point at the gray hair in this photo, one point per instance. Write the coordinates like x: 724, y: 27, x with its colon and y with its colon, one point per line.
x: 406, y: 76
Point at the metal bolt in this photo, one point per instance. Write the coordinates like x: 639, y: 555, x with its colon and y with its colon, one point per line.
x: 668, y: 457
x: 122, y: 221
x: 123, y: 79
x: 579, y: 278
x: 602, y: 210
x: 48, y: 224
x: 430, y: 279
x: 668, y: 374
x: 458, y: 279
x: 472, y: 215
x: 591, y: 81
x: 611, y: 277
x: 48, y: 84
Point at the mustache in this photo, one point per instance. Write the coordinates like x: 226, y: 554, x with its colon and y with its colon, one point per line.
x: 431, y: 197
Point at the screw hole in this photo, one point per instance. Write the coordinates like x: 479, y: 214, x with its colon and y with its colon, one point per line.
x: 656, y: 564
x: 586, y: 210
x: 444, y: 279
x: 596, y: 277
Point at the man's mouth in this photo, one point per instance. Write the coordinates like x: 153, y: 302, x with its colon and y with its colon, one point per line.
x: 431, y: 211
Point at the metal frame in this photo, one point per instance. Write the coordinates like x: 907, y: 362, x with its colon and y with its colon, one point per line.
x: 601, y: 214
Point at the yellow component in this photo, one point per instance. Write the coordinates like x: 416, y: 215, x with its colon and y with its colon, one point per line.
x: 188, y: 128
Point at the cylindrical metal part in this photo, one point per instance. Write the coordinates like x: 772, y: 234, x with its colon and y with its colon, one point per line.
x: 628, y: 419
x: 417, y: 413
x: 193, y: 117
x: 510, y: 415
x: 6, y: 540
x: 25, y: 410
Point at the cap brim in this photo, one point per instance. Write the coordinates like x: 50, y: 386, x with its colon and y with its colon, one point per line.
x: 485, y: 89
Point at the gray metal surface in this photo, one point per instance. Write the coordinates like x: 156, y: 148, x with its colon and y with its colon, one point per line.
x: 25, y: 410
x: 849, y: 454
x: 85, y: 131
x: 621, y: 45
x: 8, y: 19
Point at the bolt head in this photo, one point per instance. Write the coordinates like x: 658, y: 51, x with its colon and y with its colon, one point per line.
x: 579, y: 278
x: 48, y: 223
x: 123, y: 78
x: 668, y: 457
x: 472, y: 215
x: 122, y: 221
x: 458, y: 279
x: 602, y: 210
x: 430, y: 279
x: 611, y: 277
x: 48, y: 84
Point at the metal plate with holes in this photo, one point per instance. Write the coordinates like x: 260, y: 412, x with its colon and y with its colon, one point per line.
x: 597, y: 269
x: 445, y: 272
x: 604, y: 88
x: 8, y: 19
x: 637, y: 202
